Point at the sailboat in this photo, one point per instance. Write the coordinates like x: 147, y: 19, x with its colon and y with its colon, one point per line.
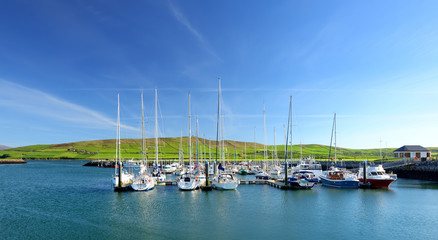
x: 222, y: 180
x: 336, y: 177
x: 263, y: 175
x: 157, y: 174
x: 188, y: 180
x: 121, y: 179
x: 142, y: 181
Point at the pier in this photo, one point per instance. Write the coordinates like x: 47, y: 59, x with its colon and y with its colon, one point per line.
x: 272, y: 183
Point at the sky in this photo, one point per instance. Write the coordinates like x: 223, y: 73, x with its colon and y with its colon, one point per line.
x: 373, y: 63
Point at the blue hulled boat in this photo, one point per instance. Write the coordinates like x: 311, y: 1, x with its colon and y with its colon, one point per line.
x: 340, y: 179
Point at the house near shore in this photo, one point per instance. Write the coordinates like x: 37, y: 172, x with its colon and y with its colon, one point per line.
x: 412, y: 152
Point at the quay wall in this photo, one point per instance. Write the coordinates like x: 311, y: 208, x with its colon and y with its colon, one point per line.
x: 421, y: 170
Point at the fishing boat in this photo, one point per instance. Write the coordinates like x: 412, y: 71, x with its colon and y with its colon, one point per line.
x: 376, y: 176
x: 336, y: 177
x: 302, y: 180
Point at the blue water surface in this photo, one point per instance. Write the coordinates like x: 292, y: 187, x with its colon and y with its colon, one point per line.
x: 64, y: 200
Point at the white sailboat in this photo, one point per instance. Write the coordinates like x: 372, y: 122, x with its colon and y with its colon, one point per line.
x: 188, y: 180
x: 157, y: 174
x: 121, y: 179
x: 263, y: 175
x: 142, y: 181
x: 222, y: 180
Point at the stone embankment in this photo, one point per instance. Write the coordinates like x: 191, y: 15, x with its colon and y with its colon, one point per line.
x: 12, y: 161
x: 417, y: 170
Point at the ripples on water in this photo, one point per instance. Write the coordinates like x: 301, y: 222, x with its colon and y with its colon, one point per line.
x: 62, y: 199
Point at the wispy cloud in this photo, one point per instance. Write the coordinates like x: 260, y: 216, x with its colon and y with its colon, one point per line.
x: 186, y: 23
x: 35, y: 102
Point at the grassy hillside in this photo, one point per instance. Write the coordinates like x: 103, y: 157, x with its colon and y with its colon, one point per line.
x: 168, y: 149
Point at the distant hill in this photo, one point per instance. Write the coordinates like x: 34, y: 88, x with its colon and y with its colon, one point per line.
x: 2, y: 147
x: 169, y: 149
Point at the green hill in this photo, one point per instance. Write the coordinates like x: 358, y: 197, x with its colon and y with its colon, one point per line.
x: 169, y: 147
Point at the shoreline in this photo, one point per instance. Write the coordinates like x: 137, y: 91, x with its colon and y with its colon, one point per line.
x: 12, y: 161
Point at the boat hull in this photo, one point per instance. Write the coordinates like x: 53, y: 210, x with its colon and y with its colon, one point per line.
x: 225, y: 186
x: 340, y: 183
x: 141, y: 187
x: 187, y: 186
x: 301, y: 185
x: 379, y: 183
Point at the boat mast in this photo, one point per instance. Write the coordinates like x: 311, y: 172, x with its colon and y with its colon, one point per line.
x: 156, y: 128
x: 264, y: 138
x: 181, y: 151
x: 218, y: 124
x: 291, y: 145
x: 197, y: 147
x: 287, y: 136
x: 255, y: 149
x: 190, y: 137
x: 143, y: 133
x: 335, y: 137
x: 275, y: 148
x: 117, y: 136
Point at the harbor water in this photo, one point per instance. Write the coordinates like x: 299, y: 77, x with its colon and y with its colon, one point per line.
x: 64, y: 200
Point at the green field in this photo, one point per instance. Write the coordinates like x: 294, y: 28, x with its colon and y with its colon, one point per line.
x: 169, y: 147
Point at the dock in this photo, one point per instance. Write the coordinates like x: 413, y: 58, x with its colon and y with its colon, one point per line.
x: 272, y: 183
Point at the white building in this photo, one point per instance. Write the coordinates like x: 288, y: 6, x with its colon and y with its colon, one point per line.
x: 411, y: 152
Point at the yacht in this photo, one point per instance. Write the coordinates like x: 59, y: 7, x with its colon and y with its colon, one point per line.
x: 225, y: 181
x: 187, y: 182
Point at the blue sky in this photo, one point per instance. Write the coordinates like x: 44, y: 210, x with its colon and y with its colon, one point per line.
x: 374, y: 63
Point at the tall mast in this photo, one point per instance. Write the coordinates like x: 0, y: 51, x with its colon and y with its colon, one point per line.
x: 117, y: 134
x: 275, y: 146
x: 190, y: 137
x: 255, y: 149
x: 245, y: 150
x: 197, y: 146
x: 287, y: 136
x: 142, y: 128
x: 335, y: 137
x: 284, y: 134
x: 203, y: 152
x: 218, y: 123
x: 291, y: 145
x: 181, y: 157
x: 156, y: 128
x: 264, y: 136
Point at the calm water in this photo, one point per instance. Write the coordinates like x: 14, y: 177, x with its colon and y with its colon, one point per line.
x: 63, y: 200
